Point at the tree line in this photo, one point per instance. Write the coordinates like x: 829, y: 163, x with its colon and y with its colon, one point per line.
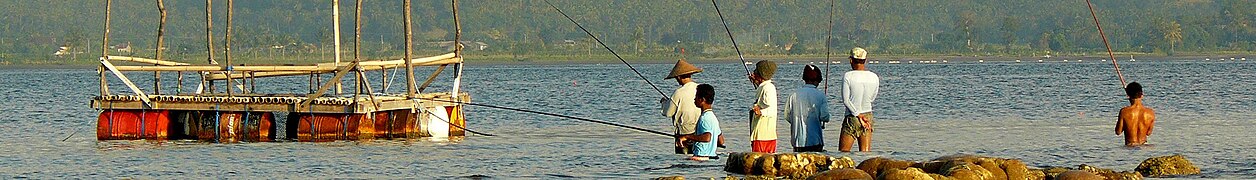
x: 34, y: 30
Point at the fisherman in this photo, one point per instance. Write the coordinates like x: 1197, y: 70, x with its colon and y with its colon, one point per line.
x: 681, y: 108
x: 1135, y: 120
x: 707, y: 134
x: 806, y: 111
x: 859, y: 89
x: 763, y: 111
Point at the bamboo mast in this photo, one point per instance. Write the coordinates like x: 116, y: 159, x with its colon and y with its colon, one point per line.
x: 457, y: 51
x: 409, y: 67
x: 335, y: 25
x: 160, y: 27
x: 227, y: 45
x: 161, y: 32
x: 357, y: 41
x: 209, y: 41
x: 104, y: 50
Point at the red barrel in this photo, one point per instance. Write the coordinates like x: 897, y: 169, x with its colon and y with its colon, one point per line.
x: 133, y: 124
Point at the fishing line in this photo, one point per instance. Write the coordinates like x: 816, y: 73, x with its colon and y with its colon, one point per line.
x: 455, y: 125
x: 1105, y: 43
x: 558, y: 115
x: 608, y: 48
x: 828, y: 43
x: 730, y: 37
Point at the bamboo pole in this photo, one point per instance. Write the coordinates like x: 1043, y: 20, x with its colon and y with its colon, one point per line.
x: 227, y: 45
x: 340, y: 73
x: 104, y: 50
x: 335, y: 25
x: 409, y: 67
x: 431, y: 78
x: 209, y: 41
x: 457, y: 50
x: 161, y: 32
x: 357, y: 40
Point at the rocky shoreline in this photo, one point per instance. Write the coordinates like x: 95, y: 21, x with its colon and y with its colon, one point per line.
x: 954, y: 167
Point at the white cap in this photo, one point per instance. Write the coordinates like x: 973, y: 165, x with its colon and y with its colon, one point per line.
x: 859, y: 53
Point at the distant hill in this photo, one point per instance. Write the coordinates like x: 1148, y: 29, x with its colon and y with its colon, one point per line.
x: 35, y: 29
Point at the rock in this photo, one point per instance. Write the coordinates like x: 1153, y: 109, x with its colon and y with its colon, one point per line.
x: 910, y: 173
x: 1165, y: 166
x: 789, y: 165
x: 877, y: 164
x: 731, y: 178
x: 1078, y: 175
x: 670, y: 178
x: 1015, y: 169
x: 1110, y: 174
x: 1036, y: 174
x: 939, y: 177
x: 961, y: 169
x: 989, y: 164
x: 760, y: 177
x: 841, y: 174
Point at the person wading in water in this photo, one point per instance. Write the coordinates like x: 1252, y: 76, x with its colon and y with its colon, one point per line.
x: 681, y: 108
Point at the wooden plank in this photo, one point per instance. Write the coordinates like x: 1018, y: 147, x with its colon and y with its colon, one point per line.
x: 146, y: 61
x: 126, y: 81
x: 321, y: 67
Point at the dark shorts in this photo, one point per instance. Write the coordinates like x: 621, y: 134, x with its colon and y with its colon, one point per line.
x: 816, y: 148
x: 852, y: 127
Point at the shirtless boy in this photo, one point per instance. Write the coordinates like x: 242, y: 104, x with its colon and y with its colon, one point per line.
x: 1135, y: 120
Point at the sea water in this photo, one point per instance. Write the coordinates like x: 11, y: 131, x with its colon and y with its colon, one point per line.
x: 1048, y: 114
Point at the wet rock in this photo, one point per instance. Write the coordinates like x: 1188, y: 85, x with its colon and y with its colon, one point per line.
x: 909, y: 173
x: 877, y: 164
x: 1165, y: 166
x: 842, y: 174
x: 939, y: 177
x: 1078, y: 175
x: 745, y: 162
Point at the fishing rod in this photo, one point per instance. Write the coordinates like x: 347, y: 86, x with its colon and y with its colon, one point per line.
x: 1105, y: 43
x: 730, y: 37
x: 828, y: 42
x: 608, y: 48
x: 556, y: 115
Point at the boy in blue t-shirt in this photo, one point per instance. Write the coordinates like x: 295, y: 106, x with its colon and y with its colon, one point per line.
x: 707, y: 134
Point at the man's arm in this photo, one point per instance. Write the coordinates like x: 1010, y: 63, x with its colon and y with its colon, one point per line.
x: 704, y: 137
x: 1120, y: 123
x: 788, y: 113
x: 1151, y: 121
x: 846, y: 98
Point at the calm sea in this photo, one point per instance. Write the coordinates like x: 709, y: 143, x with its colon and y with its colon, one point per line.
x: 1047, y: 114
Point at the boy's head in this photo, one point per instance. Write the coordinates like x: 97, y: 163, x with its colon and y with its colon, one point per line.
x: 858, y: 56
x: 811, y: 75
x: 705, y: 96
x: 764, y: 69
x: 1134, y: 90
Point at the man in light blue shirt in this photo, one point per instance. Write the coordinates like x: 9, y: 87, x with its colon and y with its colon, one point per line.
x: 859, y: 89
x: 806, y: 111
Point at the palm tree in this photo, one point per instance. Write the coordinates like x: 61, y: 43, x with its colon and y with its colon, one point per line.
x: 1172, y: 34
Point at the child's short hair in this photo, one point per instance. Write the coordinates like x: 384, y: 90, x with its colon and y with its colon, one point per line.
x: 811, y: 73
x: 1134, y: 90
x: 706, y: 92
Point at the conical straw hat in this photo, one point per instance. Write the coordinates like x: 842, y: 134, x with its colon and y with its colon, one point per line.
x: 683, y: 68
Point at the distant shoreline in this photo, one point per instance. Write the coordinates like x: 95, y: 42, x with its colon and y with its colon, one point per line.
x: 560, y: 60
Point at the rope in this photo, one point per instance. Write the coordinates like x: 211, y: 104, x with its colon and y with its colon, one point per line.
x: 608, y: 48
x: 730, y: 37
x: 455, y: 125
x: 1105, y: 43
x: 558, y: 115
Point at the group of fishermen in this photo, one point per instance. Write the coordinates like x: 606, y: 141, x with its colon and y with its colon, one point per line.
x: 807, y: 110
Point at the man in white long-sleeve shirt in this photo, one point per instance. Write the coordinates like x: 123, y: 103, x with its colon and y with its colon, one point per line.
x: 859, y: 89
x: 681, y: 109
